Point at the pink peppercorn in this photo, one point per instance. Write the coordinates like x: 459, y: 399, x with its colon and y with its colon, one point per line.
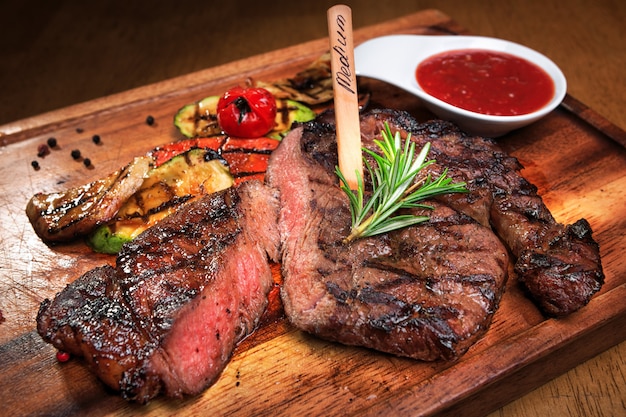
x: 63, y: 356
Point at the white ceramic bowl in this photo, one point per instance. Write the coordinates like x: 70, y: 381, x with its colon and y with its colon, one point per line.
x: 395, y: 58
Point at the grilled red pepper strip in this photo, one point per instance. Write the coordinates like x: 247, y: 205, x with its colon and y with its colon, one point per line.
x: 247, y: 158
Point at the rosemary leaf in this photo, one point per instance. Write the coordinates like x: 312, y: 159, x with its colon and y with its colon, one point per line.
x: 394, y: 186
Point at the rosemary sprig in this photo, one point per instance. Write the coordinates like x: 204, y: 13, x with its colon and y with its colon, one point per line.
x: 394, y: 187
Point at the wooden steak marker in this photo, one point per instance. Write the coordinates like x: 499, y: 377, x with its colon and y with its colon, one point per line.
x: 345, y: 93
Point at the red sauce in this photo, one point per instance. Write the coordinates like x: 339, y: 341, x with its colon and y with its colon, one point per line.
x: 486, y: 82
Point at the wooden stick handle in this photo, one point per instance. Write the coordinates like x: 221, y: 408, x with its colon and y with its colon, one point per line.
x: 345, y: 93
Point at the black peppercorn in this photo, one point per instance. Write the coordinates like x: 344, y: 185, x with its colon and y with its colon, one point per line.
x: 150, y: 120
x: 75, y: 154
x: 52, y: 142
x: 95, y: 139
x: 87, y: 162
x: 43, y: 150
x: 35, y: 165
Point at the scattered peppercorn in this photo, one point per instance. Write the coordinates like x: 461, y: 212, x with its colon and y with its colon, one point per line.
x: 42, y: 150
x: 150, y: 120
x: 52, y: 142
x: 75, y: 154
x: 35, y: 165
x: 63, y: 356
x: 87, y: 162
x: 95, y: 139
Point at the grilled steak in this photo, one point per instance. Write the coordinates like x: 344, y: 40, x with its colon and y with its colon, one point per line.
x: 167, y: 317
x: 428, y: 291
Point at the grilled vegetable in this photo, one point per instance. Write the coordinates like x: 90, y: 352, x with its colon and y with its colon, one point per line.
x: 311, y: 86
x: 246, y: 112
x: 199, y: 119
x: 289, y: 112
x: 66, y: 215
x: 183, y: 178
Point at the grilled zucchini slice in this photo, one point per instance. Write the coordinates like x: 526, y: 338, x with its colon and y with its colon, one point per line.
x: 183, y: 178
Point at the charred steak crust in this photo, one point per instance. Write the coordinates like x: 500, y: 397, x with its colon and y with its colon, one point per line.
x: 428, y: 291
x: 559, y: 265
x: 167, y: 317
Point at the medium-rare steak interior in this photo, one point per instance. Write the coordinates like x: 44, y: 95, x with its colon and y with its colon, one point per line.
x: 427, y: 291
x: 168, y: 316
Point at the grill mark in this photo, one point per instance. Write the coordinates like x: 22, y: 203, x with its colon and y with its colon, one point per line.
x: 432, y: 320
x: 404, y: 276
x: 84, y: 213
x: 376, y: 294
x: 284, y: 112
x: 173, y: 201
x: 210, y: 119
x: 313, y: 93
x: 75, y: 203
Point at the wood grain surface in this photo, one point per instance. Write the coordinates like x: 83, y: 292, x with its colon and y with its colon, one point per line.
x: 595, y: 388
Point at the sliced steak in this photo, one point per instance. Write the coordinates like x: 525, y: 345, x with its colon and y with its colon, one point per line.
x: 428, y: 291
x: 167, y: 318
x: 425, y: 292
x: 559, y: 265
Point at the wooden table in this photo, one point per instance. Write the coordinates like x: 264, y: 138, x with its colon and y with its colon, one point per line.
x: 57, y: 56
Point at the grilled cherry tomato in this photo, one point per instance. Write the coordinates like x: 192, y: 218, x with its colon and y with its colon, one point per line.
x: 246, y: 112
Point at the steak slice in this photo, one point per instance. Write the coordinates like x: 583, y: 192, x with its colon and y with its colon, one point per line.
x: 428, y: 291
x: 559, y: 265
x: 168, y: 316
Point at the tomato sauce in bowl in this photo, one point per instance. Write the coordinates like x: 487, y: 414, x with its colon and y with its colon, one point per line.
x: 519, y: 85
x: 487, y: 82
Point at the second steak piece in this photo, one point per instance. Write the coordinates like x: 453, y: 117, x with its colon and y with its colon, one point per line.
x: 167, y: 318
x: 426, y: 292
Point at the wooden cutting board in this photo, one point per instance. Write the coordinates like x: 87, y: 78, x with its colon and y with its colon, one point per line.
x: 576, y: 158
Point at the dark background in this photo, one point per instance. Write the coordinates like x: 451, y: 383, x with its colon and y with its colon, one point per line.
x: 60, y: 52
